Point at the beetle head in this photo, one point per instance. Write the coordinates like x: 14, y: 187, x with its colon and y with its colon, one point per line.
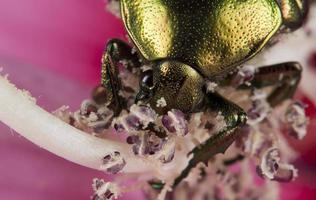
x: 171, y: 84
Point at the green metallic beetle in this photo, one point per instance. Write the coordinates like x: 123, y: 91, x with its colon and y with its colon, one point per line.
x: 190, y: 41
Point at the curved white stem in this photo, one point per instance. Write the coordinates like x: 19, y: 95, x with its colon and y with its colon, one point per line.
x: 19, y: 111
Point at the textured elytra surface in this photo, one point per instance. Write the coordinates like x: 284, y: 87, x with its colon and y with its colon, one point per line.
x: 211, y: 35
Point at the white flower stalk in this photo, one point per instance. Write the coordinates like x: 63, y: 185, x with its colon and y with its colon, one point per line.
x: 19, y: 111
x: 158, y: 146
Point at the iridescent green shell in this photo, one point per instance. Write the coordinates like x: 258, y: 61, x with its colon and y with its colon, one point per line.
x: 213, y: 36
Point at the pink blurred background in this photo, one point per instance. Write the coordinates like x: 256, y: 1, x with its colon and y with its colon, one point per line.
x: 53, y: 49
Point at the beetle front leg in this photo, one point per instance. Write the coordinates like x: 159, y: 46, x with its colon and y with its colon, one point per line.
x: 234, y: 117
x: 116, y: 51
x: 285, y: 76
x: 294, y: 13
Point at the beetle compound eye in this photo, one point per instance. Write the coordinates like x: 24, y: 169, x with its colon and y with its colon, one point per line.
x: 146, y: 85
x: 147, y: 80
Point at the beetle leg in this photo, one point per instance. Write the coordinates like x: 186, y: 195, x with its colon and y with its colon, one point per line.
x: 116, y: 51
x: 234, y: 117
x: 285, y: 76
x: 294, y: 12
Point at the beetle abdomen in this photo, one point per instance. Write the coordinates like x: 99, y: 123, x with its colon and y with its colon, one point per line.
x: 211, y: 35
